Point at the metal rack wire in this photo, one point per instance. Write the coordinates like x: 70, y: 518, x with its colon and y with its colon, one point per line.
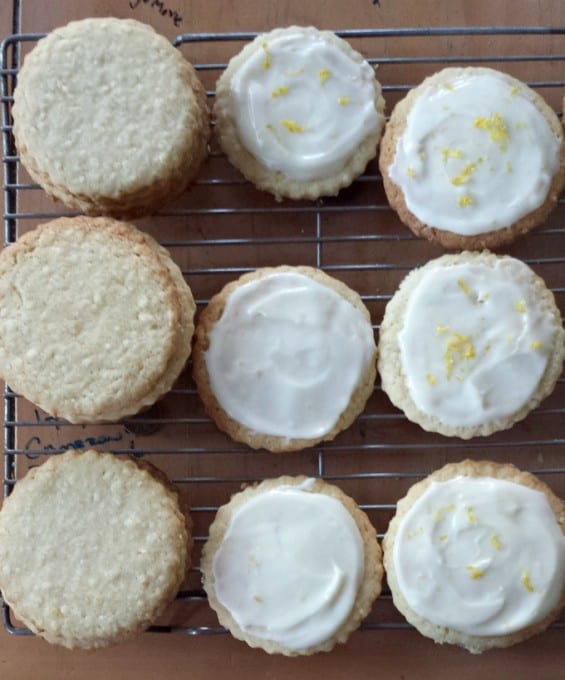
x: 224, y: 227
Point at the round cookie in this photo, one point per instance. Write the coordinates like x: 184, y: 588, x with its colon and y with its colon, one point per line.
x: 472, y: 158
x: 92, y: 549
x: 299, y: 112
x: 291, y: 566
x: 96, y: 320
x: 284, y: 358
x: 109, y: 118
x: 470, y: 344
x: 475, y: 555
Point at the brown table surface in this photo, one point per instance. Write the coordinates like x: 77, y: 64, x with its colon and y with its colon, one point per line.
x: 383, y: 653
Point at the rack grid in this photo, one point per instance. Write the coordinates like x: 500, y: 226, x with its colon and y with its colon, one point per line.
x: 223, y: 227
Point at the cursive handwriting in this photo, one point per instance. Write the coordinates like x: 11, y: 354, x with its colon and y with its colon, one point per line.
x: 160, y: 7
x: 75, y: 445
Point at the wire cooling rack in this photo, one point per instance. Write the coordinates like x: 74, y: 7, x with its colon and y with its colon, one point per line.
x: 224, y: 227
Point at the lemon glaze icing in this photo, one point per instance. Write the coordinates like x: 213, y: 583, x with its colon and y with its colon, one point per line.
x: 475, y: 341
x: 289, y: 566
x: 287, y: 354
x: 483, y: 556
x: 303, y: 106
x: 476, y: 155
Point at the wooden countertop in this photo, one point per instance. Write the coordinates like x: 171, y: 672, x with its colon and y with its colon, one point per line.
x: 389, y: 654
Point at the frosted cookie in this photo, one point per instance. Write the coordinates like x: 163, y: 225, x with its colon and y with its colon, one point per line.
x: 284, y: 358
x: 470, y: 344
x: 472, y: 158
x: 109, y: 118
x: 299, y: 112
x: 291, y: 566
x: 475, y: 555
x: 96, y: 320
x: 92, y: 549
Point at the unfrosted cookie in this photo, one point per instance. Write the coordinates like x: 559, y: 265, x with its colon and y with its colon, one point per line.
x: 299, y: 112
x: 109, y: 118
x: 96, y: 320
x: 291, y: 566
x: 470, y: 344
x: 92, y: 549
x: 284, y: 358
x: 472, y: 158
x: 475, y: 555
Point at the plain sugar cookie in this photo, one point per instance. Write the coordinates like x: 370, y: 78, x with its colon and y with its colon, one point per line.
x: 96, y: 320
x: 92, y: 548
x: 109, y: 118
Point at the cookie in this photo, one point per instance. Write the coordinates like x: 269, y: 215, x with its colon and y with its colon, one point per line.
x: 109, y: 118
x: 472, y: 158
x: 96, y: 320
x: 291, y: 566
x: 470, y: 344
x: 475, y: 555
x: 92, y: 549
x: 284, y: 358
x: 299, y: 112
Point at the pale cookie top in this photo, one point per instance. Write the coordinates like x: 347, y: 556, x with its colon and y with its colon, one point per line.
x: 88, y: 317
x: 475, y: 340
x: 91, y: 548
x: 482, y: 556
x: 476, y: 154
x: 287, y: 354
x: 289, y: 566
x: 101, y: 105
x: 302, y: 105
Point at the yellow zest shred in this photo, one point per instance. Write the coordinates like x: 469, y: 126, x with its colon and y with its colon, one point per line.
x: 431, y: 379
x: 464, y: 287
x: 474, y: 572
x: 283, y: 89
x: 415, y: 534
x: 457, y: 348
x: 464, y: 175
x: 496, y: 128
x: 508, y: 167
x: 536, y: 344
x: 465, y: 200
x: 495, y: 542
x: 443, y: 538
x: 267, y: 59
x: 292, y: 126
x: 441, y: 329
x: 440, y: 514
x: 520, y: 307
x: 411, y: 172
x: 447, y: 153
x: 526, y: 582
x: 323, y: 75
x: 471, y: 515
x: 343, y: 101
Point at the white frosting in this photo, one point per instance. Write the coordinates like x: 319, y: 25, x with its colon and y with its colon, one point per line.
x: 475, y: 341
x: 303, y: 106
x: 290, y: 566
x: 287, y: 354
x: 482, y: 556
x: 476, y: 155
